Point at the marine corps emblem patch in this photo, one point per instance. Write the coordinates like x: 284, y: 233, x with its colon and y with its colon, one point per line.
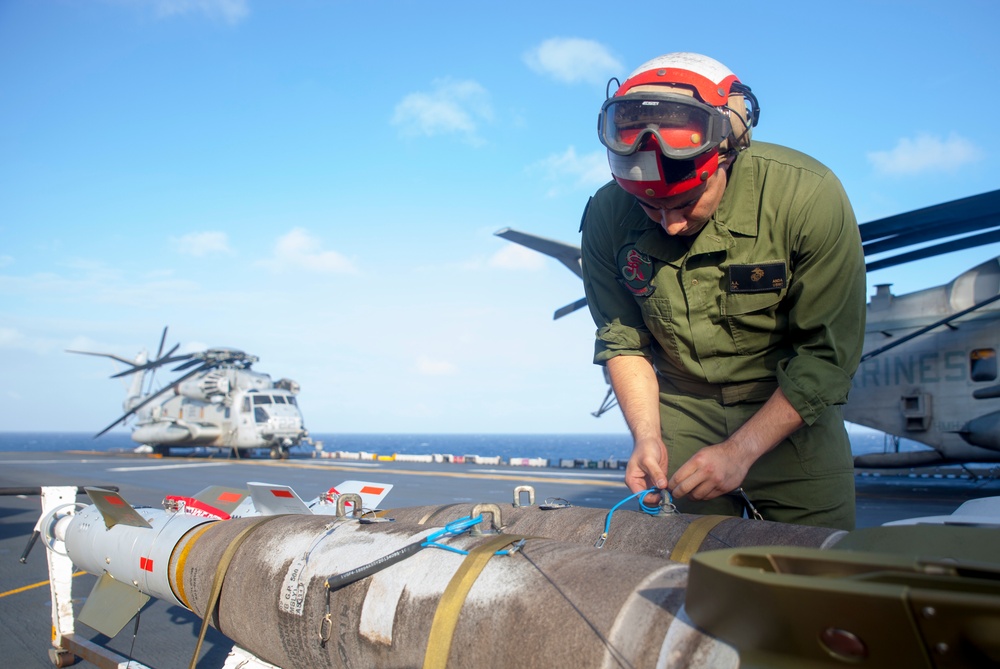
x: 636, y: 271
x: 760, y: 278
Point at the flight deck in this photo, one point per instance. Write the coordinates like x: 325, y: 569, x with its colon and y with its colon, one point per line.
x: 164, y: 636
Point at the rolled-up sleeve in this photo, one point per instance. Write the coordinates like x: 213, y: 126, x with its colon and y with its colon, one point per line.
x: 620, y: 327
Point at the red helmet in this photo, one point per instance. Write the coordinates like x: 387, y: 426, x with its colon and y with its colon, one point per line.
x: 662, y: 143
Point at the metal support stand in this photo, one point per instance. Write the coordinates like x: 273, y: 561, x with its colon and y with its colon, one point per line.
x: 67, y: 646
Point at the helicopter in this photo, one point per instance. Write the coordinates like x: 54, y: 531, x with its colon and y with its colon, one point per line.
x: 219, y: 402
x: 929, y: 370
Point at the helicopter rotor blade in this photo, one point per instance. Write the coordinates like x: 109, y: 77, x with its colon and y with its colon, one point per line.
x: 105, y: 355
x: 570, y: 308
x: 153, y: 364
x: 163, y: 340
x: 174, y: 384
x: 189, y: 363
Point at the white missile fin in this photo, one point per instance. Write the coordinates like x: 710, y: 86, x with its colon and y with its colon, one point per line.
x: 271, y: 499
x: 111, y: 605
x: 371, y: 494
x: 222, y: 497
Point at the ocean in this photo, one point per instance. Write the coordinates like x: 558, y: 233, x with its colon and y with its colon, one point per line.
x: 507, y: 446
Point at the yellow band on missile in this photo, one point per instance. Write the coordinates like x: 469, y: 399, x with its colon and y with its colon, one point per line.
x: 182, y: 560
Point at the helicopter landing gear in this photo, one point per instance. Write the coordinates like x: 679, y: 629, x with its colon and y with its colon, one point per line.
x: 278, y: 453
x: 61, y: 658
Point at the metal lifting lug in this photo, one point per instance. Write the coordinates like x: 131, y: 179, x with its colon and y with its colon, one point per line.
x: 751, y: 510
x: 667, y: 507
x: 352, y: 497
x: 517, y: 495
x: 494, y: 512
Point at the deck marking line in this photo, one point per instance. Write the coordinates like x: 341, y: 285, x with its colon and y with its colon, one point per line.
x: 33, y: 586
x: 158, y: 467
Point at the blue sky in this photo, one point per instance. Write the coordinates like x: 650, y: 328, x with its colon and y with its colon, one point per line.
x: 318, y: 183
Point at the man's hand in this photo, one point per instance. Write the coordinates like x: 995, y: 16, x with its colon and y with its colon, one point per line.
x: 719, y: 469
x: 647, y: 468
x: 711, y: 472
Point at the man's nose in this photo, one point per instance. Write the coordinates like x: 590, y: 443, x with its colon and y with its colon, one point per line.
x: 672, y: 216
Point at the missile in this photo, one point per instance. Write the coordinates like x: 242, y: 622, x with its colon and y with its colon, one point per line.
x: 284, y: 595
x: 438, y: 586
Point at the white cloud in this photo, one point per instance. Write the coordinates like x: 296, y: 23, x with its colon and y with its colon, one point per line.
x: 453, y: 107
x: 517, y: 257
x: 15, y: 340
x: 202, y: 243
x: 428, y: 367
x: 925, y: 153
x: 230, y: 11
x: 573, y: 60
x: 299, y: 250
x: 588, y: 172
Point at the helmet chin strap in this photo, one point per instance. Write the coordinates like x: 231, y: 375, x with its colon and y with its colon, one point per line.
x: 737, y: 141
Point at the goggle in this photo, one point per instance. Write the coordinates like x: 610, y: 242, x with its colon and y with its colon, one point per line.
x: 682, y: 126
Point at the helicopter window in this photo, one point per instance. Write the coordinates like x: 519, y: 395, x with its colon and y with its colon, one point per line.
x: 260, y: 415
x: 261, y: 399
x: 246, y: 405
x: 983, y: 364
x: 279, y: 399
x: 291, y: 400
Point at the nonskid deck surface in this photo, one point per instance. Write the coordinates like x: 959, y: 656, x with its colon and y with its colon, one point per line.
x: 167, y: 634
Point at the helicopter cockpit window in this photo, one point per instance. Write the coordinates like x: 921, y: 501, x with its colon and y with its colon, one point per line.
x: 260, y: 415
x: 291, y: 400
x: 279, y: 399
x: 983, y: 364
x: 261, y: 399
x: 246, y: 405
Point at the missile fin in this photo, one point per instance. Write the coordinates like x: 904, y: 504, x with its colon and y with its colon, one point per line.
x: 115, y: 509
x: 222, y: 497
x: 372, y: 494
x: 271, y: 499
x: 111, y: 605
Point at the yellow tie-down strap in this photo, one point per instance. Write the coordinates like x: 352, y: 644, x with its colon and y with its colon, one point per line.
x: 220, y: 575
x: 693, y: 536
x: 450, y: 604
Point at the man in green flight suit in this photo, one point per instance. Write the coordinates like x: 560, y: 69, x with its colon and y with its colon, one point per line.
x: 727, y: 283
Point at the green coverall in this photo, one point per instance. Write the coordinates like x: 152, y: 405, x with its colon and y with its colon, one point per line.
x: 771, y: 292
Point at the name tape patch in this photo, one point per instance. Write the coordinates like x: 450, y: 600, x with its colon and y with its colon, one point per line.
x: 758, y: 278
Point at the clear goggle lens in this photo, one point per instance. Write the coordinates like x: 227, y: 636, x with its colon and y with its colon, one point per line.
x: 683, y: 127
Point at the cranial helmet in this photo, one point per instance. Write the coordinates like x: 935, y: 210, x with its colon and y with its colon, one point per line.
x: 665, y: 127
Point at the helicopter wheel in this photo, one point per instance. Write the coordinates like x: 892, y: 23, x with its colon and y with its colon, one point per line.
x: 61, y: 658
x: 278, y: 453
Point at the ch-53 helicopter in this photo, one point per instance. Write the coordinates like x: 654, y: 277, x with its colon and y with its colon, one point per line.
x: 219, y: 403
x: 929, y: 371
